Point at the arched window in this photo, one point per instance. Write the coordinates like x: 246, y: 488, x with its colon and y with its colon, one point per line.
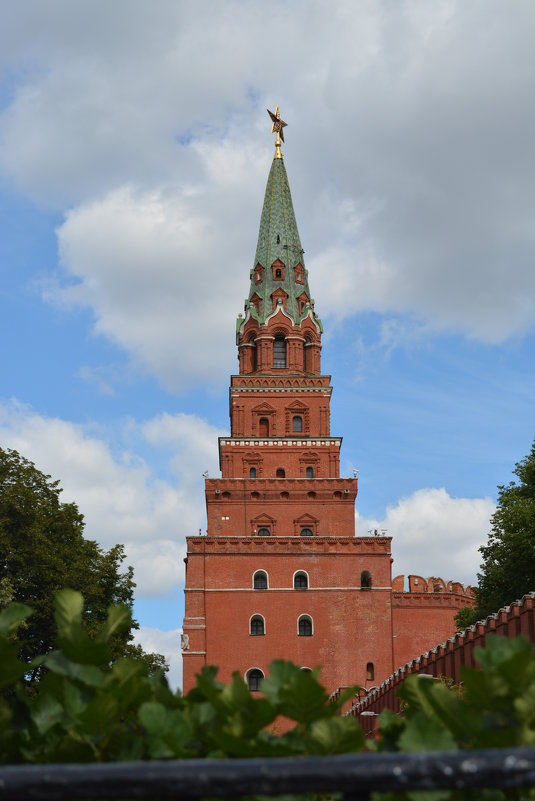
x: 279, y: 352
x: 252, y: 472
x: 370, y: 672
x: 297, y: 424
x: 307, y: 532
x: 301, y: 581
x: 254, y: 679
x: 310, y: 472
x: 264, y: 532
x: 257, y: 628
x: 304, y: 626
x: 278, y: 273
x: 263, y: 427
x: 365, y: 580
x: 260, y: 580
x: 281, y: 473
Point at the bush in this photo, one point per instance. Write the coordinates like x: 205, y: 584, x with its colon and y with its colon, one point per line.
x: 88, y: 708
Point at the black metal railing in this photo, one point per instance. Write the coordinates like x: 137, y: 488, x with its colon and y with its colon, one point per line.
x: 355, y: 776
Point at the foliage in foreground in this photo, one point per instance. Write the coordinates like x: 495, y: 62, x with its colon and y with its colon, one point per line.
x: 508, y: 566
x: 89, y: 709
x: 43, y: 549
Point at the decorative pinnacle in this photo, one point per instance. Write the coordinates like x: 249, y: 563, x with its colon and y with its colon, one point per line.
x: 277, y: 128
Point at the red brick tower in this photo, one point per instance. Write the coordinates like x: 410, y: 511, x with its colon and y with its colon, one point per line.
x: 280, y: 573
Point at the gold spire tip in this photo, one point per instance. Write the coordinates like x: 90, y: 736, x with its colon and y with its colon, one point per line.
x: 277, y: 128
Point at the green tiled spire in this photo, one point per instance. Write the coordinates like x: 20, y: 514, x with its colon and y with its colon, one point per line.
x: 278, y: 238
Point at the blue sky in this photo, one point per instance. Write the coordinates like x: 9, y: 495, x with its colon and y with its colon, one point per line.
x: 134, y: 152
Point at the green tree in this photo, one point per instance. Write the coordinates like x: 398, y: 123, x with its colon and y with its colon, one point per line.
x: 508, y: 567
x: 43, y: 550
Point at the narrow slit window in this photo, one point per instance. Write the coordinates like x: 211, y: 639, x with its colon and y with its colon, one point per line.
x: 370, y: 672
x: 365, y: 580
x: 263, y: 427
x: 279, y: 353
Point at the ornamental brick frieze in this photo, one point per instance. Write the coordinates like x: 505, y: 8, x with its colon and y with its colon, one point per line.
x: 301, y: 382
x: 286, y: 544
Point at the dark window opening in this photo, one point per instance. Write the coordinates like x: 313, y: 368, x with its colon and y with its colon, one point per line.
x: 370, y: 672
x: 254, y: 680
x: 263, y: 427
x: 300, y: 581
x: 310, y: 472
x: 278, y: 239
x: 307, y: 532
x: 264, y: 532
x: 365, y: 580
x: 297, y: 424
x: 257, y: 626
x: 305, y: 627
x: 281, y: 473
x: 255, y: 357
x: 260, y: 581
x: 252, y: 472
x: 278, y: 273
x: 279, y: 353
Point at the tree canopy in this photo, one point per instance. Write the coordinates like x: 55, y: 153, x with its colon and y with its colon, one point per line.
x: 43, y: 550
x: 508, y: 566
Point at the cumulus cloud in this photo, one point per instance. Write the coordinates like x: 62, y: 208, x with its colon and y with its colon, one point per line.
x: 409, y: 152
x: 120, y: 496
x: 435, y: 534
x: 166, y: 643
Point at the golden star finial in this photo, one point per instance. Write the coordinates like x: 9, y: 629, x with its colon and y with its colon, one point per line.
x: 277, y: 128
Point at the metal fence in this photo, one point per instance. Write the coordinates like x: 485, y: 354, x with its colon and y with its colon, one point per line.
x: 354, y: 776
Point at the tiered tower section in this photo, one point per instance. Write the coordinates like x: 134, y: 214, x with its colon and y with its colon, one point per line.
x: 280, y: 573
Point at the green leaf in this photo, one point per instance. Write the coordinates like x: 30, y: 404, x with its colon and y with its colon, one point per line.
x: 338, y: 735
x: 100, y: 715
x: 68, y: 606
x: 298, y: 693
x: 11, y: 617
x: 423, y: 733
x: 87, y: 674
x: 11, y: 668
x: 119, y: 619
x: 46, y: 712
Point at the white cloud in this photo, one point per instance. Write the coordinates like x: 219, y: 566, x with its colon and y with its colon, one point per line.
x: 166, y: 643
x: 120, y: 496
x: 435, y: 534
x: 409, y: 152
